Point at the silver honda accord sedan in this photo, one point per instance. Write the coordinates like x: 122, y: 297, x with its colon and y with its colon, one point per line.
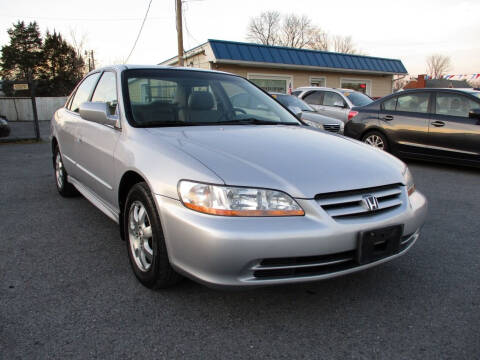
x: 227, y: 196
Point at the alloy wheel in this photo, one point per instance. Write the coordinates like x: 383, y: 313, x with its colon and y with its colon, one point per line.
x: 59, y: 173
x: 375, y: 141
x: 140, y: 236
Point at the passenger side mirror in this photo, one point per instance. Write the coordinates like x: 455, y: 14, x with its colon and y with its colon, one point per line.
x: 474, y: 114
x: 98, y: 112
x: 296, y: 110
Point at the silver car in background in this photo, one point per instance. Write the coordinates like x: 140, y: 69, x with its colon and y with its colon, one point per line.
x: 335, y: 103
x: 308, y: 115
x: 228, y: 196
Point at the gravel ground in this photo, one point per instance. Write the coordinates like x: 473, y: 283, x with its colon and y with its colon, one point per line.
x: 67, y: 291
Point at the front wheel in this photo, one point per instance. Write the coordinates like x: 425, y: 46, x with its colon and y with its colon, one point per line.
x: 376, y: 139
x: 145, y: 240
x: 61, y: 177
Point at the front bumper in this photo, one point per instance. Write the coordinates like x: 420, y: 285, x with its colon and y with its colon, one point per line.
x: 226, y: 251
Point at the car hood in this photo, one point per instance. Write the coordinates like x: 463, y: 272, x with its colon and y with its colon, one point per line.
x: 295, y: 159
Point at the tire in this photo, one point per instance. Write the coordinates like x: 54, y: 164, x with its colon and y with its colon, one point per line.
x: 61, y: 177
x: 376, y: 139
x: 145, y: 240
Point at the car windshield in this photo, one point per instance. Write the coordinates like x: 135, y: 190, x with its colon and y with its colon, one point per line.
x: 289, y: 100
x: 161, y: 97
x: 357, y: 98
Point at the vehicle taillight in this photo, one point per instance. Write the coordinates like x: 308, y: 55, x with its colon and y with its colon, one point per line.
x: 352, y: 114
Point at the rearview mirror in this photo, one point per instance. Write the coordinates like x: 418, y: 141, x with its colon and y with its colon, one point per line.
x: 474, y: 113
x: 296, y: 110
x: 98, y: 112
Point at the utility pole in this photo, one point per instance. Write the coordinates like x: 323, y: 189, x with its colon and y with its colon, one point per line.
x: 178, y: 7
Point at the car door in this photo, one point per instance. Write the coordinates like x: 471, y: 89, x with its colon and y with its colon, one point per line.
x: 97, y: 143
x: 69, y: 121
x: 452, y: 132
x: 335, y: 106
x: 404, y: 119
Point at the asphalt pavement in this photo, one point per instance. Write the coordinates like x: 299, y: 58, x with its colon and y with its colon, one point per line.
x: 67, y: 291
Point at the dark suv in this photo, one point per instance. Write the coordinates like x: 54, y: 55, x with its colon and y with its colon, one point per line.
x: 435, y: 124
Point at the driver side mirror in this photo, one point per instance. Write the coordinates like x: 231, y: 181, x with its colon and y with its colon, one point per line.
x: 474, y: 114
x: 98, y: 112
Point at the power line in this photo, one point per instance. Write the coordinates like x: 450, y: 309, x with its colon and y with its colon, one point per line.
x: 81, y: 19
x: 139, y: 32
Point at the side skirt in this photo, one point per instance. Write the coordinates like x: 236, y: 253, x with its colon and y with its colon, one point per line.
x: 94, y: 199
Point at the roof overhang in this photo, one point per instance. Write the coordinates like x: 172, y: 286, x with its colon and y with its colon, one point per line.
x: 300, y: 67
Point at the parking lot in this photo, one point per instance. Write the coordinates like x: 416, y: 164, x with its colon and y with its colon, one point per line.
x: 67, y: 290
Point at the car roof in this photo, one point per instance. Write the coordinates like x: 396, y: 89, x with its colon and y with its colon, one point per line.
x: 466, y: 90
x: 323, y: 88
x: 120, y: 68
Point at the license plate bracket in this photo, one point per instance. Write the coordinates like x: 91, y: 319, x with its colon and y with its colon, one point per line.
x: 377, y: 244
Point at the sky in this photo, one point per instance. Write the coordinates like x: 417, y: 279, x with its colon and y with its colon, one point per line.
x: 409, y: 30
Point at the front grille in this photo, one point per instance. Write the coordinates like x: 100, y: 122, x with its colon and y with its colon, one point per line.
x: 350, y: 204
x: 332, y: 127
x: 291, y: 267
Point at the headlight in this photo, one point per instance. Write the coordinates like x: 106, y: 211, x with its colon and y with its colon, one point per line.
x: 236, y: 201
x: 313, y: 124
x: 408, y: 179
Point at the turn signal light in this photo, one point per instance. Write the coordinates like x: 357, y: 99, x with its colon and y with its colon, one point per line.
x: 352, y: 114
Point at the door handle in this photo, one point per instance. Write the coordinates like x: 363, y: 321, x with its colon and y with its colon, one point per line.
x: 438, y: 123
x: 387, y: 118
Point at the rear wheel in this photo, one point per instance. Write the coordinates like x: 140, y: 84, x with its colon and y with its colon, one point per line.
x: 61, y: 177
x: 376, y: 139
x: 145, y: 240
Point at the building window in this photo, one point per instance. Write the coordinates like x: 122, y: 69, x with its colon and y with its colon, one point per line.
x: 318, y: 81
x: 271, y: 83
x: 363, y: 86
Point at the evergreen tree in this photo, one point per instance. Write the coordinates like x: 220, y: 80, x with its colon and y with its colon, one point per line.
x: 61, y: 68
x: 21, y: 58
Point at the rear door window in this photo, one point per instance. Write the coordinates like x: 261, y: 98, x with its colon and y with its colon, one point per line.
x: 314, y: 98
x: 333, y: 99
x: 84, y: 91
x: 454, y: 105
x: 417, y: 102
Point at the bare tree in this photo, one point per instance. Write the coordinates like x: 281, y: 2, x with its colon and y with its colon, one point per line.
x: 271, y: 28
x: 438, y: 65
x: 78, y: 41
x: 399, y: 82
x: 297, y: 31
x: 265, y: 29
x: 319, y: 40
x: 343, y: 44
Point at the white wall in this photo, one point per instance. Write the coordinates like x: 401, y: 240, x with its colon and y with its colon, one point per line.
x: 46, y: 106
